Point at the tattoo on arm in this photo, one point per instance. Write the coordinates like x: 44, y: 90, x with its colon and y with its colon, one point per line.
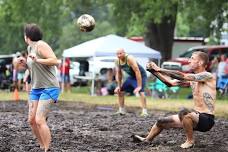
x: 183, y: 81
x: 204, y: 76
x: 208, y: 101
x: 173, y: 74
x: 160, y: 77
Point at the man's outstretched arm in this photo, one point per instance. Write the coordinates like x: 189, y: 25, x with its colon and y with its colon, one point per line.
x: 165, y: 79
x: 203, y: 76
x: 166, y: 76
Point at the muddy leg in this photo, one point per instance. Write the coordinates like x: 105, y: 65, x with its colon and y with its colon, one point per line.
x: 31, y: 119
x: 42, y: 111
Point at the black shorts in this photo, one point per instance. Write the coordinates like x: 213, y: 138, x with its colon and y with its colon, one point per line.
x: 206, y: 122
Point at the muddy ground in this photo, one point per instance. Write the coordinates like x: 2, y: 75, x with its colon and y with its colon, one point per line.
x: 77, y: 127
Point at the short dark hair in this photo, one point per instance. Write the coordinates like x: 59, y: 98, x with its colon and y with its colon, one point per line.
x: 33, y: 32
x: 203, y: 56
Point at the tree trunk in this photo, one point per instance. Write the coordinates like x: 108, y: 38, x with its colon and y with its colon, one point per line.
x: 160, y: 36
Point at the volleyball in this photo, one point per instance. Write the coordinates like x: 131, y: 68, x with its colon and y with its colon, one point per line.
x: 86, y: 23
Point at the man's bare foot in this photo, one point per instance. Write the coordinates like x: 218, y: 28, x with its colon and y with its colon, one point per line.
x: 46, y: 150
x: 138, y: 138
x: 187, y: 144
x: 42, y: 147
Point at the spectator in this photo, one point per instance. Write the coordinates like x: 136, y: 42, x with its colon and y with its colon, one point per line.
x: 65, y: 74
x: 221, y: 72
x: 21, y: 72
x: 111, y: 83
x: 221, y: 67
x: 226, y: 67
x: 15, y: 66
x: 2, y: 76
x: 214, y: 65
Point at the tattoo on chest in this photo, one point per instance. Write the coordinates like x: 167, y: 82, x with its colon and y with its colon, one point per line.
x: 208, y: 101
x: 193, y: 85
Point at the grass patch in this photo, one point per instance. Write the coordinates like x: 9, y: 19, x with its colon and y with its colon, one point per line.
x: 82, y: 95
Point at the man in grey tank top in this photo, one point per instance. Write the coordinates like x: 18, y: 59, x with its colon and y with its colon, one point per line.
x: 136, y: 80
x: 41, y: 62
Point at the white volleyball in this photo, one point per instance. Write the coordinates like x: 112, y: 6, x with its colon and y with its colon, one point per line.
x: 86, y: 23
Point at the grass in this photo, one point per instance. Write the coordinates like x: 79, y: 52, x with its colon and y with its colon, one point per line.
x: 82, y: 95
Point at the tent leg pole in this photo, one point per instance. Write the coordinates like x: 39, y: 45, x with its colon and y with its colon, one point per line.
x: 92, y: 88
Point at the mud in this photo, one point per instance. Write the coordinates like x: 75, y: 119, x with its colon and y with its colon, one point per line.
x: 77, y: 127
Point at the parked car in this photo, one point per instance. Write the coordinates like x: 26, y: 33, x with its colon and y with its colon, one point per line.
x: 212, y: 51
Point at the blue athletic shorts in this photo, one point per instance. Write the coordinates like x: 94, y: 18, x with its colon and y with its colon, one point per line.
x: 44, y: 94
x: 131, y: 83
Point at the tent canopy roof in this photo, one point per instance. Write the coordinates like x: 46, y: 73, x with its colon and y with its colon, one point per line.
x: 108, y: 45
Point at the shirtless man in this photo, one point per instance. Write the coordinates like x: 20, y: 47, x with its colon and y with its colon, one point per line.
x: 203, y: 85
x: 21, y: 71
x: 18, y: 70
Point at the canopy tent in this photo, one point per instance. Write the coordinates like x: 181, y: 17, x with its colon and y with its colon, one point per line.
x: 107, y: 46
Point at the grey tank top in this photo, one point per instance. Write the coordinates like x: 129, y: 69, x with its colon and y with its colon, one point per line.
x: 42, y: 76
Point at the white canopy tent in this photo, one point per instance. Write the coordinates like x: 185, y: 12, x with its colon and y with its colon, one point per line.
x: 107, y: 46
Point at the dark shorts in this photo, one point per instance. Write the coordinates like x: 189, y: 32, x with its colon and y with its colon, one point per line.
x: 131, y: 83
x: 206, y: 122
x: 65, y: 78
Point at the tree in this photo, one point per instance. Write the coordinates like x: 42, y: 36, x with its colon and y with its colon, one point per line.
x: 159, y: 19
x: 204, y: 18
x: 71, y: 35
x: 16, y: 13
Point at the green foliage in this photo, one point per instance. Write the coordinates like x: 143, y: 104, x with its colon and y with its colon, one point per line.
x: 202, y: 17
x: 182, y: 26
x: 72, y: 36
x: 135, y: 27
x: 195, y: 17
x: 124, y: 17
x: 56, y: 19
x: 16, y: 13
x: 139, y: 13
